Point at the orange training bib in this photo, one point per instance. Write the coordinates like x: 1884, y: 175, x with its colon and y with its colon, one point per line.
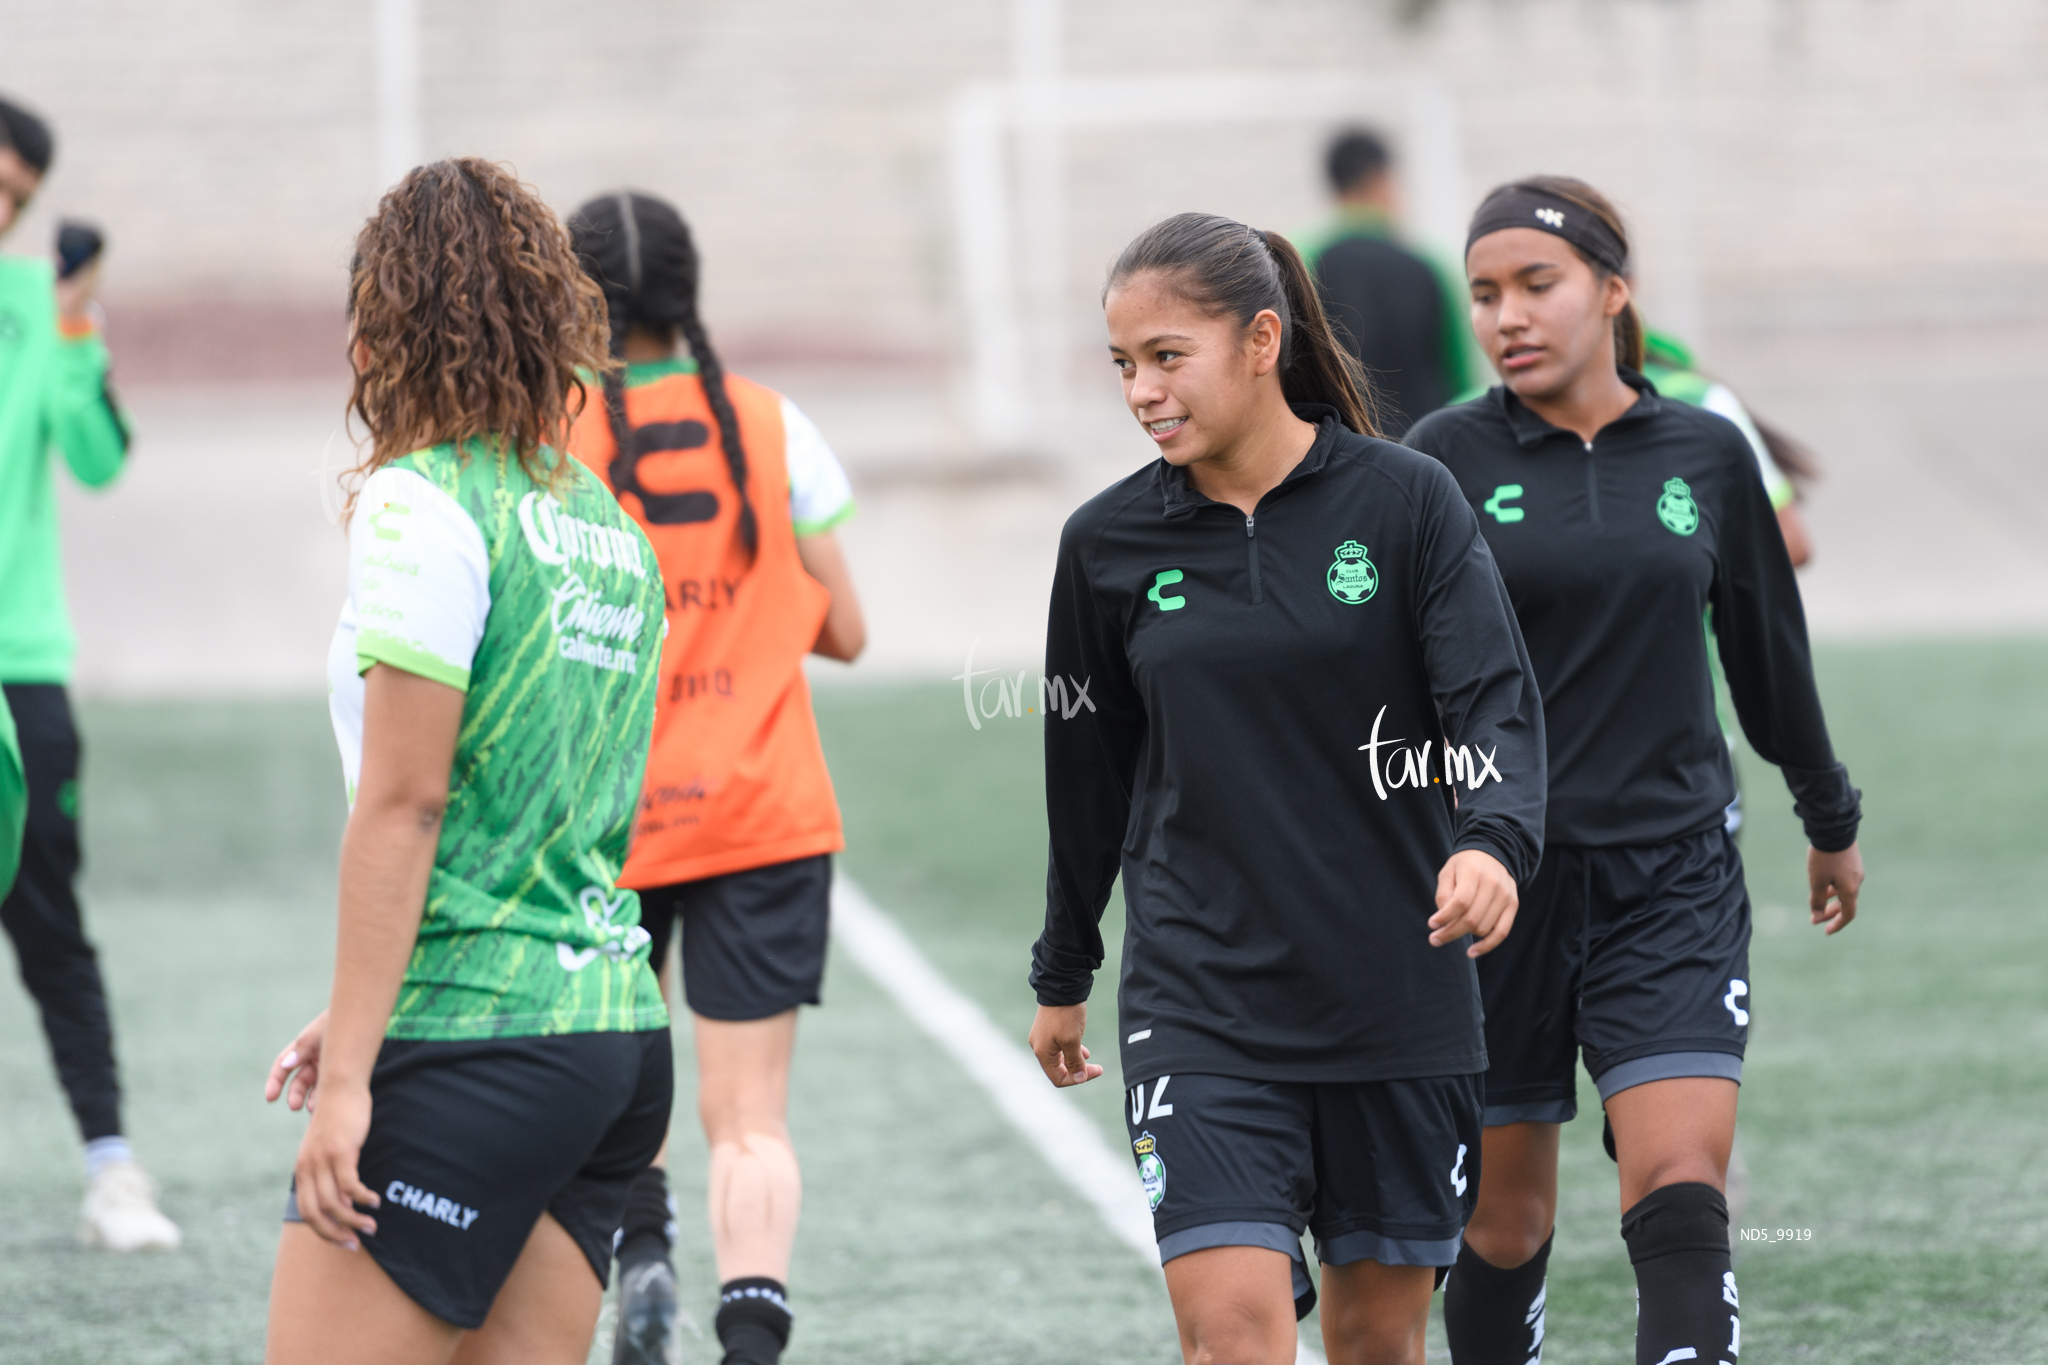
x: 736, y: 778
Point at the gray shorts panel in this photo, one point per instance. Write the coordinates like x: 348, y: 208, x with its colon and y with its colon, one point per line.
x: 1273, y: 1236
x: 1535, y: 1111
x: 1370, y: 1246
x: 1667, y: 1066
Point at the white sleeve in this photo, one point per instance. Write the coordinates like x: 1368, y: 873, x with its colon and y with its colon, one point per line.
x: 419, y: 579
x: 1721, y: 399
x: 820, y: 497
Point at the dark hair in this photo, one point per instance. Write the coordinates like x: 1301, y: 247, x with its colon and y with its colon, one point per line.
x: 1628, y: 326
x: 28, y: 135
x: 639, y: 251
x: 473, y: 315
x: 1356, y: 155
x: 1788, y: 453
x: 1226, y: 268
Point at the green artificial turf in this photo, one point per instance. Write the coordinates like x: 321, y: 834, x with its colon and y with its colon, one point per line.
x: 1894, y: 1103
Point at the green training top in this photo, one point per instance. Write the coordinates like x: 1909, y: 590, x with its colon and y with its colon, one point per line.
x: 545, y: 608
x: 53, y: 392
x: 13, y: 800
x: 1669, y: 365
x: 1462, y: 362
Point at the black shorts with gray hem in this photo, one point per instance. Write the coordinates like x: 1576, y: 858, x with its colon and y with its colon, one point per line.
x: 470, y: 1142
x: 1637, y: 958
x: 1381, y: 1171
x: 753, y: 942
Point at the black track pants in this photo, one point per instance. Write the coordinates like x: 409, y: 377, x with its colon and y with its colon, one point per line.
x: 57, y: 962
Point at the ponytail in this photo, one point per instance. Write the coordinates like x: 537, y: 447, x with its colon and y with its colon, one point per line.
x: 713, y: 375
x: 1315, y: 368
x: 640, y: 252
x: 1628, y: 337
x: 1226, y: 268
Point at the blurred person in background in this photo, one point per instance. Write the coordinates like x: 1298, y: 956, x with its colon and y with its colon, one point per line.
x: 1619, y: 519
x: 739, y: 494
x: 13, y: 799
x: 1398, y: 312
x: 54, y: 396
x: 1783, y: 463
x: 494, y: 1066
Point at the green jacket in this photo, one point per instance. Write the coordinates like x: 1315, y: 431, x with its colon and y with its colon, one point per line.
x: 13, y: 800
x: 1463, y: 364
x: 1669, y: 365
x: 53, y: 393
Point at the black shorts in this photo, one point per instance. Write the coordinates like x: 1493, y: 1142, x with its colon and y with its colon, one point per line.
x: 1637, y: 957
x: 471, y: 1142
x: 753, y: 941
x: 1381, y: 1171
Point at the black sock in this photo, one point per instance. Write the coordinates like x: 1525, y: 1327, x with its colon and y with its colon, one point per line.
x: 1494, y: 1316
x: 1686, y: 1307
x: 649, y: 1229
x: 753, y: 1320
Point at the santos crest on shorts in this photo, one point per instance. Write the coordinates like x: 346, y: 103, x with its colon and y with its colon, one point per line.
x: 545, y: 608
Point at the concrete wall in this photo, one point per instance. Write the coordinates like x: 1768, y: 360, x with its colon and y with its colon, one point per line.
x: 1858, y: 161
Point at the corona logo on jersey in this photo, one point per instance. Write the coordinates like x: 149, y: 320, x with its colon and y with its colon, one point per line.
x: 600, y: 910
x: 1151, y: 1170
x: 557, y: 538
x: 1404, y: 765
x: 583, y: 622
x: 577, y: 615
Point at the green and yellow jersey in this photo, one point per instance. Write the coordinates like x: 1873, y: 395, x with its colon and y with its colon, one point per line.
x: 544, y: 606
x: 1669, y: 365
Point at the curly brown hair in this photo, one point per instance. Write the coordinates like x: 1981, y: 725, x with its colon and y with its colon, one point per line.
x: 470, y: 318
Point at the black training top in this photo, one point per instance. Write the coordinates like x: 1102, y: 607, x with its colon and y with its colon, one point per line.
x: 1263, y: 755
x: 1387, y: 307
x: 1613, y: 552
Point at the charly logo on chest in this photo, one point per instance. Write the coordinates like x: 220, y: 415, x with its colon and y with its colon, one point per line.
x: 1351, y: 576
x: 1676, y: 509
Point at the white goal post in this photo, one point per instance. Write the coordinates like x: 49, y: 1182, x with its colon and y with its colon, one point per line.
x: 1011, y: 266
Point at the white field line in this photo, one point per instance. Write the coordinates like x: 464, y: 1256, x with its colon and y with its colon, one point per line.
x: 1067, y: 1138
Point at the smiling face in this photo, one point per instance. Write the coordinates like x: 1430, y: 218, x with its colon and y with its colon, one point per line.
x: 18, y: 183
x: 1195, y: 381
x: 1544, y: 317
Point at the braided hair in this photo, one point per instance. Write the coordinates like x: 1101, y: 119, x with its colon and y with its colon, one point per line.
x: 639, y: 251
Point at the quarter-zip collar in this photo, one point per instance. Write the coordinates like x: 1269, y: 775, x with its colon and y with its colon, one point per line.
x: 1182, y: 499
x: 1531, y: 430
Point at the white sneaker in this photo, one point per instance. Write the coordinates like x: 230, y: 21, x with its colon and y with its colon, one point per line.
x: 120, y: 1212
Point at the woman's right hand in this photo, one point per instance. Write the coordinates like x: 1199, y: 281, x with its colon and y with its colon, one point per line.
x: 1056, y: 1042
x: 328, y: 1186
x: 302, y: 1057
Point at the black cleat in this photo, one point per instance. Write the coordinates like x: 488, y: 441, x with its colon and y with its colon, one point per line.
x: 647, y: 1314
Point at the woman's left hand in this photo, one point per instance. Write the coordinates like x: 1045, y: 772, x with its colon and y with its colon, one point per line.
x: 1834, y: 881
x: 1476, y: 896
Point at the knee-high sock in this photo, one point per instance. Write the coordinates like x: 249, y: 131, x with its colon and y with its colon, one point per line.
x: 649, y: 1228
x: 1494, y: 1316
x: 1686, y: 1307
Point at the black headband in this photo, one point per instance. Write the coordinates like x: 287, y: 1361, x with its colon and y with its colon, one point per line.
x: 1517, y: 207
